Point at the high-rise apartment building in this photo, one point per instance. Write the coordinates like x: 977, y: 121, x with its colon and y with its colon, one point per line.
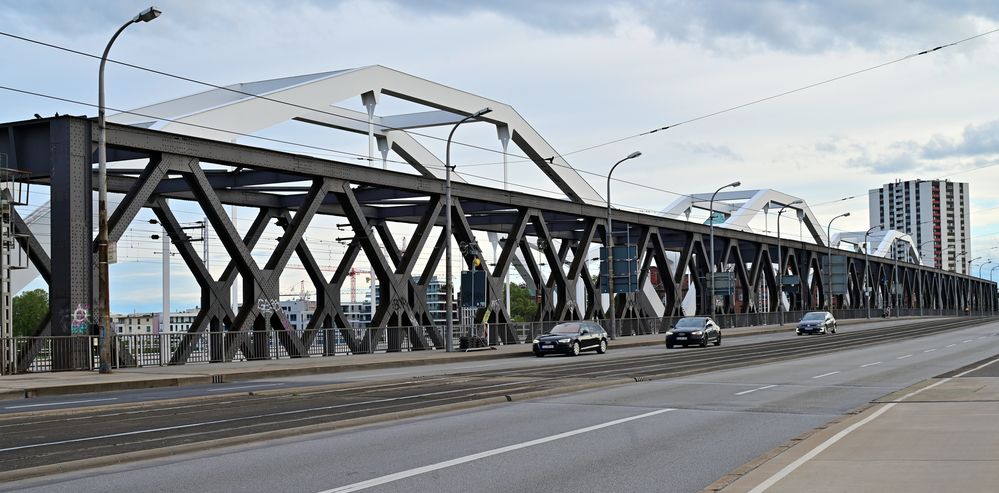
x: 933, y: 212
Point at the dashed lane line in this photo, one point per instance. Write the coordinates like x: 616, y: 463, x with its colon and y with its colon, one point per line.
x: 363, y: 485
x: 744, y: 392
x: 826, y: 374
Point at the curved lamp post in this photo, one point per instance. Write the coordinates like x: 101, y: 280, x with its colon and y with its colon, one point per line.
x: 780, y: 262
x: 994, y: 293
x: 449, y: 286
x: 980, y: 268
x: 711, y: 228
x: 610, y: 248
x: 102, y: 233
x: 867, y: 268
x: 829, y: 256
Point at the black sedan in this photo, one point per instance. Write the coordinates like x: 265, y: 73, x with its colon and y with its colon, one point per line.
x: 694, y: 330
x: 571, y: 338
x: 816, y: 323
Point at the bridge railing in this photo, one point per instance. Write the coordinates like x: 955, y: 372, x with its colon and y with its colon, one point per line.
x: 46, y: 354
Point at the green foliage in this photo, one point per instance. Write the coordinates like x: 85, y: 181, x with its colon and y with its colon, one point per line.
x: 29, y: 308
x: 523, y: 306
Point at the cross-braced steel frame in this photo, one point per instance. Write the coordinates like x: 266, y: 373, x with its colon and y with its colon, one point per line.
x: 59, y: 152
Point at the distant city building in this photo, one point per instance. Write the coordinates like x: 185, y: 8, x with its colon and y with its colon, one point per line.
x: 298, y: 312
x: 934, y: 212
x: 137, y: 323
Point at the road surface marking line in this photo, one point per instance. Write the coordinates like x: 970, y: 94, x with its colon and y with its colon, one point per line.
x: 788, y: 469
x: 951, y: 345
x: 966, y: 341
x: 826, y: 374
x: 246, y: 418
x: 25, y: 406
x: 481, y: 455
x: 245, y: 387
x: 930, y: 350
x: 903, y: 357
x: 870, y: 364
x: 744, y: 392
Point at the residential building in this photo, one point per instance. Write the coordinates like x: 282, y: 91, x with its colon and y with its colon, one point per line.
x: 136, y: 323
x: 934, y: 212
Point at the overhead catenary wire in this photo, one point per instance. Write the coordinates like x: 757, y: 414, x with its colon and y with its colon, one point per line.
x: 551, y: 161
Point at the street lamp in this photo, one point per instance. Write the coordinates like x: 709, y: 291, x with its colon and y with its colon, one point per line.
x: 610, y: 248
x: 867, y: 268
x: 980, y: 268
x: 992, y: 288
x: 780, y: 262
x: 449, y: 286
x: 711, y: 231
x: 829, y: 256
x: 102, y: 233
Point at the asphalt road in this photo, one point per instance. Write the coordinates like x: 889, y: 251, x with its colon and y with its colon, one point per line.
x: 676, y: 434
x: 78, y: 401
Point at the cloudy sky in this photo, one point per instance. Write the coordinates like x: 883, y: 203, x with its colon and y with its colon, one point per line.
x: 586, y: 73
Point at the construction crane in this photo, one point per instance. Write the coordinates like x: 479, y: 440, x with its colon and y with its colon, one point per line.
x: 353, y: 282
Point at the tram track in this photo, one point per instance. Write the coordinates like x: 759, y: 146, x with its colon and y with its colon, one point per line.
x: 29, y: 441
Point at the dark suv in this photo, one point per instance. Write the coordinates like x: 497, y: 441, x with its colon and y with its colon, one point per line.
x: 571, y: 338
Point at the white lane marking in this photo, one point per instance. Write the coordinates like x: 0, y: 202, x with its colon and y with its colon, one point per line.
x: 248, y: 418
x: 481, y: 455
x: 951, y: 345
x: 966, y: 341
x: 744, y: 392
x: 788, y: 469
x: 903, y: 357
x: 245, y: 387
x: 26, y: 406
x: 826, y: 374
x: 983, y: 337
x: 930, y: 350
x: 870, y: 364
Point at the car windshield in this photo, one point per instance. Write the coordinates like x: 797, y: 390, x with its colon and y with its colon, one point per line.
x: 565, y: 329
x: 815, y: 316
x: 690, y: 322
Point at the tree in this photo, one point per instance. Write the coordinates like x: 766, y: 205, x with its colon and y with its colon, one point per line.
x: 523, y: 306
x: 29, y: 308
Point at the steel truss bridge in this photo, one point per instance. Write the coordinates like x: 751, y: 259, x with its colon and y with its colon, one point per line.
x: 60, y: 152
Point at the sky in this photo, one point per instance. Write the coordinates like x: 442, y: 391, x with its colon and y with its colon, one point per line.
x: 583, y: 73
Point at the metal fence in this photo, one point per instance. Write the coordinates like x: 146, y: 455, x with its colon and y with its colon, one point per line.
x: 144, y: 350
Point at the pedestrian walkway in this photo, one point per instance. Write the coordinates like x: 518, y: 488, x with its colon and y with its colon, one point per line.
x: 77, y: 382
x: 939, y: 435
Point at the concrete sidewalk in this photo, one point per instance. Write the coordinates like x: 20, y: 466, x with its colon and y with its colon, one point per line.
x: 939, y: 435
x: 78, y: 382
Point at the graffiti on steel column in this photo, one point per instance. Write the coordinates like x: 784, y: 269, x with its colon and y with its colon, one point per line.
x: 79, y: 319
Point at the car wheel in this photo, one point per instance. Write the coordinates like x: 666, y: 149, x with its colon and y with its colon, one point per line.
x: 834, y: 329
x: 799, y: 333
x: 669, y: 346
x: 574, y: 351
x: 704, y: 341
x: 718, y: 340
x: 540, y: 355
x: 602, y: 348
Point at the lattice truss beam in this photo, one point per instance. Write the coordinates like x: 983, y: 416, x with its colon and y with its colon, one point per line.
x: 58, y: 152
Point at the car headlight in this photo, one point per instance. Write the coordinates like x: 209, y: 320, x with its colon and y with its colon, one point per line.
x: 696, y: 333
x: 563, y: 341
x: 535, y: 341
x: 669, y: 333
